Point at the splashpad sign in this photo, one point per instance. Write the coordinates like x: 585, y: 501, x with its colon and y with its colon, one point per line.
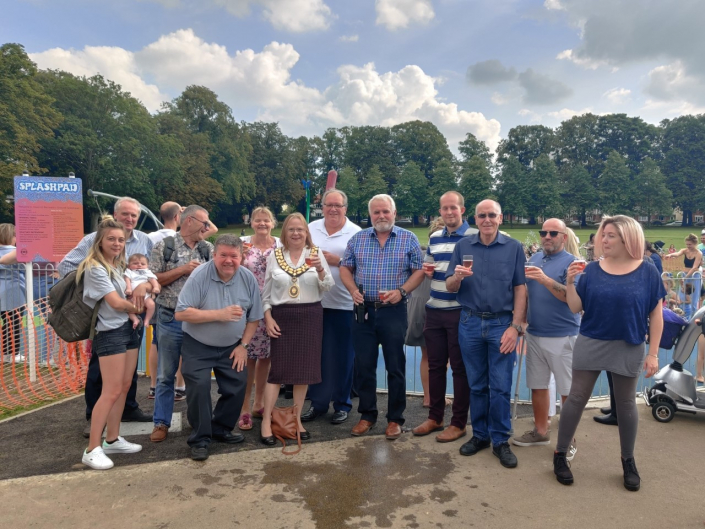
x: 48, y: 217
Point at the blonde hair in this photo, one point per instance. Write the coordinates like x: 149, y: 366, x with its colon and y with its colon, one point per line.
x: 285, y: 235
x: 264, y: 210
x: 691, y: 238
x: 629, y: 231
x: 572, y: 245
x: 436, y: 224
x: 95, y: 255
x: 7, y: 232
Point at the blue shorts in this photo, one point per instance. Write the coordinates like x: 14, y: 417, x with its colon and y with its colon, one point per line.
x: 117, y: 341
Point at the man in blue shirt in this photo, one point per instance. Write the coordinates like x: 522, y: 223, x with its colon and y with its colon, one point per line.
x: 386, y: 262
x: 441, y: 327
x: 551, y: 332
x: 491, y: 290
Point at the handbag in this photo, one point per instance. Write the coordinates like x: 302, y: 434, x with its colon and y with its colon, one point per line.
x: 285, y: 425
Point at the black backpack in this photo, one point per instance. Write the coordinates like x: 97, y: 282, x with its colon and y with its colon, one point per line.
x: 70, y: 317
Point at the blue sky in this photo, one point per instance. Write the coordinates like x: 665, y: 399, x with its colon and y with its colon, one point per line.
x: 468, y: 66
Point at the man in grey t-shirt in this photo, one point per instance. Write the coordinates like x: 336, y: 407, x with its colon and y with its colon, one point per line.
x: 220, y: 307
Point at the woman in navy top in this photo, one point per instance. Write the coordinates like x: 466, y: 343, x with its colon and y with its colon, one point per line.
x: 621, y: 299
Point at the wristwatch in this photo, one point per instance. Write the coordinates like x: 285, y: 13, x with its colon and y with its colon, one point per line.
x: 245, y: 345
x: 517, y: 327
x: 402, y: 292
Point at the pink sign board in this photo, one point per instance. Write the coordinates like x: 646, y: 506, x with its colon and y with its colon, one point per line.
x: 48, y: 217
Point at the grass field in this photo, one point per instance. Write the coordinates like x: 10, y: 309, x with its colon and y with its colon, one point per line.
x: 524, y: 233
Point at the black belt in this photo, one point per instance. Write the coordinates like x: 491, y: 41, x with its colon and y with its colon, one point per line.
x: 489, y: 315
x: 380, y: 305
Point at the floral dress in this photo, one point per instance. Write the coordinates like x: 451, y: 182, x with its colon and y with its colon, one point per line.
x: 256, y: 262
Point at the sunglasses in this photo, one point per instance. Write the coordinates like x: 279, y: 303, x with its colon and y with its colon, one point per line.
x: 485, y: 215
x: 543, y: 233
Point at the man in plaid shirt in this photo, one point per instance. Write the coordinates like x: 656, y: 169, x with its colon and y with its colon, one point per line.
x: 386, y: 261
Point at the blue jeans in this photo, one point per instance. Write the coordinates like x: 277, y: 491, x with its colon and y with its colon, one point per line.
x: 170, y: 338
x: 489, y: 375
x: 337, y: 363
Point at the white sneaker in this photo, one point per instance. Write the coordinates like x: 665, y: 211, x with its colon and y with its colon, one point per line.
x: 97, y: 459
x: 572, y: 450
x: 121, y: 446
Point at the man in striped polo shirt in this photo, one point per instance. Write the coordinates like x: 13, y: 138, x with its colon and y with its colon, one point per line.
x: 441, y: 329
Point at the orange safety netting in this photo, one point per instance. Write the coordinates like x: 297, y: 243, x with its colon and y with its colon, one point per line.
x: 36, y: 365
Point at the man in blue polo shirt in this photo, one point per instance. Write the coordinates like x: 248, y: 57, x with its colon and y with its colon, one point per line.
x: 551, y: 332
x: 491, y: 290
x: 441, y: 327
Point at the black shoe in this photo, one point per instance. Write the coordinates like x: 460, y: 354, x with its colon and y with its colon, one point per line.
x: 311, y: 415
x: 229, y: 438
x: 268, y: 441
x: 632, y: 481
x: 288, y: 395
x: 305, y: 436
x: 339, y: 417
x: 136, y: 415
x: 505, y: 455
x: 606, y: 419
x: 199, y: 453
x: 606, y: 411
x: 473, y: 446
x: 561, y: 468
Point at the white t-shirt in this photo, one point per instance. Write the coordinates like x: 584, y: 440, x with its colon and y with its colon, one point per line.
x: 137, y: 277
x: 338, y: 297
x: 159, y: 235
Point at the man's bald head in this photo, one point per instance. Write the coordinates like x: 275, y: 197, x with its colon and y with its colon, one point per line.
x: 169, y: 212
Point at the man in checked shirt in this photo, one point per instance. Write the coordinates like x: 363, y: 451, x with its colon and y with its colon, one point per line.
x: 387, y: 262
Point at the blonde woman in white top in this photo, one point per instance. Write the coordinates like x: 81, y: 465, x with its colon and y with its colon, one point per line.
x: 295, y: 281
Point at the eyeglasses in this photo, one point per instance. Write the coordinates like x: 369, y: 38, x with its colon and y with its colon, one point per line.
x: 485, y: 215
x: 334, y: 206
x: 205, y: 223
x: 295, y: 230
x: 543, y: 233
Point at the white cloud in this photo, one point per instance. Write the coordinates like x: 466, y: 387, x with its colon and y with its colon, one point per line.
x: 246, y: 79
x: 588, y: 64
x: 618, y: 96
x: 397, y: 14
x: 567, y: 113
x: 553, y: 5
x: 349, y: 38
x: 500, y: 99
x: 534, y: 117
x: 113, y: 63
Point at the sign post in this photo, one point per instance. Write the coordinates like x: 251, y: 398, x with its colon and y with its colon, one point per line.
x: 48, y: 224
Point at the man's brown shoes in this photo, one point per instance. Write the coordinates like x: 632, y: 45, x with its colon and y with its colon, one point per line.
x: 393, y: 431
x: 450, y: 434
x: 426, y: 427
x: 362, y: 428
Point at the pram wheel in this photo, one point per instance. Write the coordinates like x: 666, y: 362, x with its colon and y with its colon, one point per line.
x: 663, y: 411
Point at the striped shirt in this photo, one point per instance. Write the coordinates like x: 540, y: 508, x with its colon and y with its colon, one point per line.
x: 139, y: 242
x: 440, y: 249
x: 385, y: 267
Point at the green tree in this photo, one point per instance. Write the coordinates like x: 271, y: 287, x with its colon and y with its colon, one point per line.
x: 422, y: 143
x: 411, y: 191
x: 373, y: 184
x: 543, y: 189
x: 26, y: 119
x: 579, y: 194
x: 471, y: 147
x: 512, y: 188
x: 368, y: 146
x: 615, y: 186
x: 349, y: 182
x: 526, y: 143
x: 475, y: 181
x: 653, y: 197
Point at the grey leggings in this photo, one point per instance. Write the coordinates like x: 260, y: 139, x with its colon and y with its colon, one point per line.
x: 580, y: 392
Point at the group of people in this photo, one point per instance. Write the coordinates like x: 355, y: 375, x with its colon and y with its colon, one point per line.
x: 313, y: 307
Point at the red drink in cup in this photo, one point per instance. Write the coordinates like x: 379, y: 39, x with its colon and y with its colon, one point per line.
x: 308, y: 260
x: 247, y: 246
x: 582, y: 263
x: 467, y: 261
x: 383, y: 295
x: 429, y: 267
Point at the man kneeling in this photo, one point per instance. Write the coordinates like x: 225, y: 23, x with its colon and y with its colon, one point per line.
x: 212, y: 304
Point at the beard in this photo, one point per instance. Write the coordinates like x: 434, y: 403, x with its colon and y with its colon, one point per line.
x: 383, y: 226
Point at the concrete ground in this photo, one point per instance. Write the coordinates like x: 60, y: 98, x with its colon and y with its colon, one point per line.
x: 371, y: 482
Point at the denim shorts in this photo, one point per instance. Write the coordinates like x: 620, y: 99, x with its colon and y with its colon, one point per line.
x: 117, y: 341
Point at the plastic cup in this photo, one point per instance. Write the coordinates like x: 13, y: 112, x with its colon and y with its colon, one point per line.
x: 429, y: 267
x: 309, y: 261
x: 383, y: 295
x: 582, y: 263
x: 467, y: 261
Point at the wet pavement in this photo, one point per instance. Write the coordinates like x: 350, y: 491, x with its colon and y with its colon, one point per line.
x: 371, y: 482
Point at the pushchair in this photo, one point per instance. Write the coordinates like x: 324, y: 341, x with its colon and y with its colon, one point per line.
x: 674, y: 388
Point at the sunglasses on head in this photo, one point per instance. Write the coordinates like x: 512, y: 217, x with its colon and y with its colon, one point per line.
x: 485, y: 215
x: 543, y: 233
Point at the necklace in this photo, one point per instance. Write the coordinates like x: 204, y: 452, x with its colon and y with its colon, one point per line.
x: 294, y: 273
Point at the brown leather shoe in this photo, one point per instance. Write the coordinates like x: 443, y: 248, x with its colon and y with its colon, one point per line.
x: 393, y: 431
x: 450, y: 434
x: 426, y: 427
x: 362, y: 428
x: 159, y: 433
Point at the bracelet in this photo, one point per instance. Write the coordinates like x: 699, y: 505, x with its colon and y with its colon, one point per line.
x: 319, y: 271
x: 653, y: 356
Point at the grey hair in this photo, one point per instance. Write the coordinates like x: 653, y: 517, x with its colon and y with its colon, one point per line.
x: 190, y: 210
x: 496, y: 205
x: 120, y: 201
x: 334, y: 190
x: 228, y: 239
x: 389, y: 199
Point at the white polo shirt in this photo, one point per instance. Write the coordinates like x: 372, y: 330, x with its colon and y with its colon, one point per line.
x: 338, y: 296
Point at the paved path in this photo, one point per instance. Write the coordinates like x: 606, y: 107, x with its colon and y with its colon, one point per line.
x: 371, y: 482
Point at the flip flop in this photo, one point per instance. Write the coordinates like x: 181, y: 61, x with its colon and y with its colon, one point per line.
x: 245, y: 422
x: 257, y: 414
